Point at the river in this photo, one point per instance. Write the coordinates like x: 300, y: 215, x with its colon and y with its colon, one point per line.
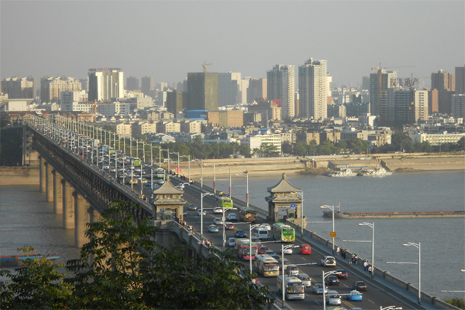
x: 26, y: 219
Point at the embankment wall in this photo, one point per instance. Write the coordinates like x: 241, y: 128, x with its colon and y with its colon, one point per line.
x: 19, y: 176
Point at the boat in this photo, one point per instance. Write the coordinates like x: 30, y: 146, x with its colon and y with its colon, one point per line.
x: 18, y: 260
x: 341, y: 173
x: 394, y: 215
x: 376, y: 172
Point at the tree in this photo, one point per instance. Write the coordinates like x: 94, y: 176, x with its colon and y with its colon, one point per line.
x: 267, y: 150
x: 300, y: 149
x: 122, y: 268
x: 286, y: 147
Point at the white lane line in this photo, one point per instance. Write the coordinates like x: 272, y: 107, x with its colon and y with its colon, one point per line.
x: 371, y: 301
x: 346, y: 285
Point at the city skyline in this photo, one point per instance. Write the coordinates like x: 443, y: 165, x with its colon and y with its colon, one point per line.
x: 166, y: 40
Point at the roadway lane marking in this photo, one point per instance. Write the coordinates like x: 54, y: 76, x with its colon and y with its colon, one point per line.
x: 348, y: 304
x: 346, y: 285
x: 371, y: 301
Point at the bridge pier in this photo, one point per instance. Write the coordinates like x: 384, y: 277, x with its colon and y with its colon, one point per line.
x: 42, y: 173
x: 57, y: 193
x: 68, y: 206
x: 48, y: 182
x: 81, y: 218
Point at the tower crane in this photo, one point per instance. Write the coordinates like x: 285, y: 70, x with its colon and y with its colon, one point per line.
x: 204, y: 65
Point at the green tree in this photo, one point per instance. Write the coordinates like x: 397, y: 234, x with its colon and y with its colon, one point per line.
x: 286, y: 147
x: 457, y: 302
x: 300, y: 149
x: 267, y: 150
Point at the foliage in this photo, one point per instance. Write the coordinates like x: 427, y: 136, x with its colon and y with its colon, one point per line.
x: 199, y: 150
x: 267, y: 150
x: 122, y: 268
x: 457, y: 302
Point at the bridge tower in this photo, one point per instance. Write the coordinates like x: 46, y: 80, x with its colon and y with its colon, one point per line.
x: 168, y: 203
x: 285, y: 197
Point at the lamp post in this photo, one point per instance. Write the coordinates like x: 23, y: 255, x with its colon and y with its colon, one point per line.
x: 283, y: 247
x: 333, y: 233
x: 325, y: 274
x: 372, y: 225
x: 418, y: 246
x: 201, y: 212
x: 246, y: 174
x: 250, y: 244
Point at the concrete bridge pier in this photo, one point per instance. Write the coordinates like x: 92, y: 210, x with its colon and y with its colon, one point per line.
x: 68, y: 206
x: 57, y: 193
x: 42, y: 174
x: 48, y: 182
x: 81, y: 218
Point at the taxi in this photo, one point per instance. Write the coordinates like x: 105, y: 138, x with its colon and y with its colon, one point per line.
x: 305, y: 249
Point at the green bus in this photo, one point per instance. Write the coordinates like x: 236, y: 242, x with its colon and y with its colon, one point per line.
x: 225, y: 203
x: 160, y: 173
x: 283, y: 232
x: 136, y: 162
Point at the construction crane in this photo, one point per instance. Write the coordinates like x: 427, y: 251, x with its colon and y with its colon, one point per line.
x: 95, y: 104
x: 204, y: 66
x: 380, y: 76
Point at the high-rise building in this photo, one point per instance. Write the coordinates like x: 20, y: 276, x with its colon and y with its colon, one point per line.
x: 366, y: 82
x: 147, y: 86
x: 84, y: 84
x: 174, y: 102
x: 228, y: 88
x: 420, y: 105
x: 257, y: 90
x: 281, y: 86
x: 313, y: 89
x: 458, y: 106
x: 379, y: 83
x: 106, y: 84
x: 459, y: 80
x: 132, y: 83
x: 51, y: 88
x: 433, y: 106
x: 16, y: 87
x: 442, y: 81
x: 202, y: 91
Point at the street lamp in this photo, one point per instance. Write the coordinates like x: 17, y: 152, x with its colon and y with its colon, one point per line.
x: 283, y: 247
x: 333, y: 233
x: 372, y: 225
x: 250, y: 244
x: 418, y: 246
x: 325, y: 274
x: 201, y: 212
x: 246, y: 174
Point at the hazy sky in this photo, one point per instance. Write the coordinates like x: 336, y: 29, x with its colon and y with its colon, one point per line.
x: 167, y: 39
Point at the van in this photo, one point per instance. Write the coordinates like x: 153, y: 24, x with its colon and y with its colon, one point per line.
x: 261, y: 233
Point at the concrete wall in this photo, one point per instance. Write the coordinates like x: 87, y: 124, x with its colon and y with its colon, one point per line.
x: 19, y: 176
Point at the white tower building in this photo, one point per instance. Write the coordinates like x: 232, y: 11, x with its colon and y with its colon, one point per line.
x: 105, y: 84
x: 313, y: 89
x: 281, y: 86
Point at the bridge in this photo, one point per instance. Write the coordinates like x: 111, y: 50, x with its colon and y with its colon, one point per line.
x: 81, y: 192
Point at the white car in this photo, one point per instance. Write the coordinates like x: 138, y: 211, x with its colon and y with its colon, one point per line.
x: 328, y: 261
x: 291, y: 270
x: 287, y: 251
x: 231, y: 241
x: 218, y: 210
x: 305, y: 279
x: 199, y: 212
x: 266, y: 226
x: 333, y: 298
x: 231, y: 217
x: 218, y: 221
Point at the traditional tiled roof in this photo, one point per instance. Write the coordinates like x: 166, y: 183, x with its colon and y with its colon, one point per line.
x: 167, y: 188
x: 283, y: 187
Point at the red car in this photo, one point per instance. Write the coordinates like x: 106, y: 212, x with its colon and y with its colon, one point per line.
x: 229, y: 226
x: 306, y: 249
x: 262, y: 249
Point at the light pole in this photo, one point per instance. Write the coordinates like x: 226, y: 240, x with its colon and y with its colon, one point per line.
x: 246, y: 173
x: 372, y: 225
x: 283, y: 247
x: 301, y: 196
x: 325, y: 274
x: 418, y: 246
x: 333, y: 233
x: 250, y: 244
x: 201, y: 212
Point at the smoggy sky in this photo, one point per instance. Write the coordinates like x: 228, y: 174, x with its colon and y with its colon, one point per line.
x: 167, y: 39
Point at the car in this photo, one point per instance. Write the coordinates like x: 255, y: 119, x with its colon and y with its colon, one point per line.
x: 143, y: 180
x: 161, y: 182
x: 287, y: 251
x: 266, y: 226
x: 262, y: 249
x: 240, y: 234
x: 305, y: 278
x: 275, y: 256
x: 342, y: 274
x: 192, y: 207
x: 333, y: 298
x: 318, y: 288
x: 106, y: 167
x: 291, y: 270
x: 359, y: 286
x: 213, y: 228
x: 328, y: 261
x: 354, y: 296
x: 229, y: 226
x: 231, y: 241
x: 218, y: 210
x: 332, y: 280
x: 218, y: 221
x: 149, y: 184
x: 305, y: 249
x: 199, y: 212
x: 232, y: 217
x: 270, y: 252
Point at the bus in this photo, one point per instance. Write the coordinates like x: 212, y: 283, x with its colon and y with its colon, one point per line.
x: 295, y: 289
x: 225, y: 203
x: 283, y: 232
x: 266, y: 265
x: 160, y: 173
x: 242, y: 249
x: 136, y: 162
x: 247, y: 215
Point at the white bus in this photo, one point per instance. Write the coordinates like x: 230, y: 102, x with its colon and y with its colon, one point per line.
x: 266, y: 265
x: 294, y: 289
